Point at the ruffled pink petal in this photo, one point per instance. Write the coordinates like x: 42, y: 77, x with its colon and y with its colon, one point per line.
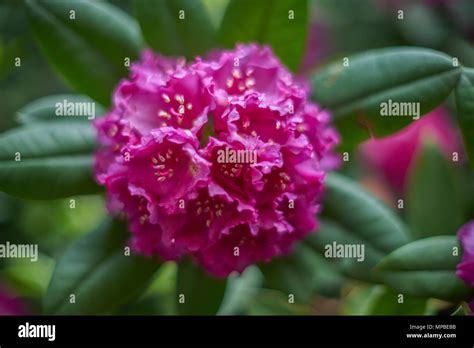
x: 465, y: 269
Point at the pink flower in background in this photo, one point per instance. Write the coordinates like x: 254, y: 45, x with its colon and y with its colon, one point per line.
x: 465, y: 269
x: 222, y: 159
x: 10, y: 304
x: 393, y: 156
x: 318, y: 46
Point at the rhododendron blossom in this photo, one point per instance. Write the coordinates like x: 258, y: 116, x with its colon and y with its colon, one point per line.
x: 465, y: 269
x: 393, y: 156
x: 222, y: 159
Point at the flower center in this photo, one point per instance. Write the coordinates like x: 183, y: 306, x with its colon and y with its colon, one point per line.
x: 279, y: 180
x: 237, y: 82
x: 143, y: 211
x: 177, y: 109
x: 231, y: 170
x: 210, y: 208
x: 162, y: 166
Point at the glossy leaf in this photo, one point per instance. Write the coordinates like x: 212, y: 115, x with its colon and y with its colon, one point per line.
x: 425, y: 268
x: 357, y: 219
x: 99, y: 273
x: 435, y: 200
x: 293, y: 274
x: 465, y: 110
x: 46, y: 109
x: 48, y: 161
x: 366, y: 216
x: 240, y: 289
x: 197, y: 292
x: 330, y: 235
x: 88, y: 42
x: 176, y: 27
x: 159, y: 297
x: 328, y: 280
x: 417, y: 16
x: 283, y: 24
x: 354, y: 89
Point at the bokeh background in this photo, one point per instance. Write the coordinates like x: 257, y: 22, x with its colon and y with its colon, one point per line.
x: 338, y: 28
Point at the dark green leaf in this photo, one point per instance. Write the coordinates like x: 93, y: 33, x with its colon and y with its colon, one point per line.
x: 363, y: 214
x: 268, y: 22
x: 417, y: 16
x: 465, y: 110
x: 328, y: 280
x: 159, y: 298
x: 461, y: 49
x: 197, y: 292
x: 346, y: 35
x: 240, y: 289
x: 89, y: 51
x: 404, y: 74
x: 45, y: 109
x: 293, y: 274
x: 435, y: 201
x: 176, y: 27
x: 99, y: 273
x: 425, y: 268
x: 48, y: 160
x: 8, y: 52
x: 331, y: 235
x: 357, y: 218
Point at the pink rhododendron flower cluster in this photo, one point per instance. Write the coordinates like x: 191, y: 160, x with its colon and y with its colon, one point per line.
x: 223, y: 158
x: 465, y: 269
